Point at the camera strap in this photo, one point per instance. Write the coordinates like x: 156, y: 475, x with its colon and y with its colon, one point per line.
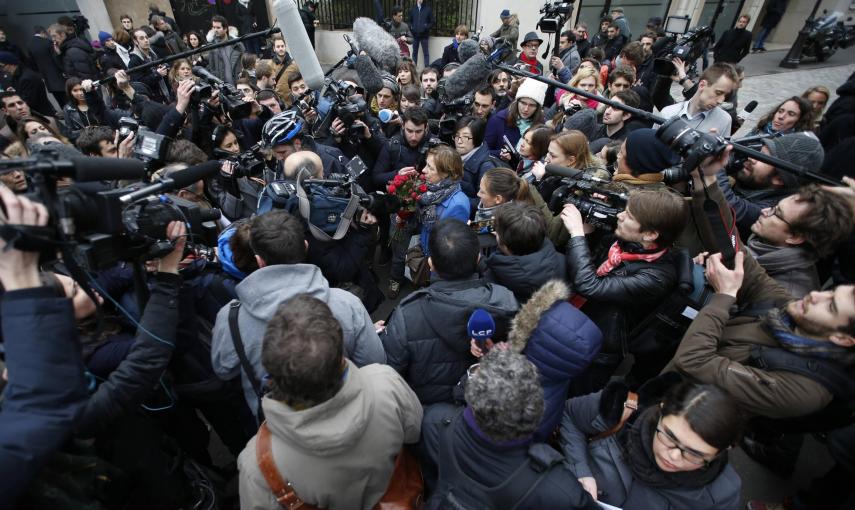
x: 237, y: 343
x: 726, y: 236
x: 305, y: 206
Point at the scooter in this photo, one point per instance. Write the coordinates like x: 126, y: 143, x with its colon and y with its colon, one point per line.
x: 827, y: 33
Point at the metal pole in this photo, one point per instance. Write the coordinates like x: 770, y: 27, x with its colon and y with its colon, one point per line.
x: 794, y: 56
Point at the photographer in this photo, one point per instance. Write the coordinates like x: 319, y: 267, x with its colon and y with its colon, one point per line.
x: 760, y: 185
x: 363, y: 138
x: 233, y: 191
x: 619, y: 290
x: 45, y: 387
x: 154, y: 78
x: 284, y: 135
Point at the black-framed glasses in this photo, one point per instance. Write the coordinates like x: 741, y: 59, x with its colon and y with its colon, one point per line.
x: 776, y: 212
x: 666, y: 437
x: 465, y: 138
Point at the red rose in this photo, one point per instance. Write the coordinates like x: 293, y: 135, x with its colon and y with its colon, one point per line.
x: 423, y: 188
x: 414, y: 195
x: 392, y: 188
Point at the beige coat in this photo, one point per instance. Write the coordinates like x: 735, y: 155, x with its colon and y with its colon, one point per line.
x: 339, y: 454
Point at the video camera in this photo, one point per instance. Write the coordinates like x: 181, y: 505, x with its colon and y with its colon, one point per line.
x: 453, y: 111
x: 346, y: 106
x: 90, y: 223
x: 599, y: 206
x: 248, y: 163
x: 231, y: 99
x: 149, y: 147
x: 689, y: 48
x: 554, y: 15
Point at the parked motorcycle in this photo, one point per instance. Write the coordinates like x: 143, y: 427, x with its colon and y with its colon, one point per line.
x: 826, y: 34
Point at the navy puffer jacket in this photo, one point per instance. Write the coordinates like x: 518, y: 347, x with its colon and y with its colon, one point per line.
x: 560, y: 340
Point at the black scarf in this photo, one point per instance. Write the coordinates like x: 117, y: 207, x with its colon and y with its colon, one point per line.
x: 636, y: 441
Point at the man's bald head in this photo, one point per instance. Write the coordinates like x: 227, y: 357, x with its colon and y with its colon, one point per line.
x: 303, y: 159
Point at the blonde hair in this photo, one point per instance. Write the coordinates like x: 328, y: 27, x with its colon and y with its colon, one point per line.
x: 574, y: 143
x: 583, y: 73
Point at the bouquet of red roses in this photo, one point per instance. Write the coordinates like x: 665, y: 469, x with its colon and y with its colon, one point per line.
x: 408, y: 188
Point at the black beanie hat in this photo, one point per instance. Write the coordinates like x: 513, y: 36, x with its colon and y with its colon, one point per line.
x: 646, y: 154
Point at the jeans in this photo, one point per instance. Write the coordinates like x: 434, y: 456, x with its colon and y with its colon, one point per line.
x: 423, y: 41
x: 761, y: 37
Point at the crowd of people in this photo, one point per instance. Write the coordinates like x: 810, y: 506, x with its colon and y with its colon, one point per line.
x: 555, y: 342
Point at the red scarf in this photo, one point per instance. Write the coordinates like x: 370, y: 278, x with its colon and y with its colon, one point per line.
x: 617, y: 255
x: 532, y: 64
x: 615, y: 258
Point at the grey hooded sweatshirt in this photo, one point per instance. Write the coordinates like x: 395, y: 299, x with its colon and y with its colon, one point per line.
x: 260, y: 294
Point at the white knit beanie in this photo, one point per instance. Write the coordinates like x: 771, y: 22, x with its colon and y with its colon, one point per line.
x: 532, y: 89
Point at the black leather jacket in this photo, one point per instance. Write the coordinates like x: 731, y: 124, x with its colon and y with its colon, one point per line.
x: 619, y: 300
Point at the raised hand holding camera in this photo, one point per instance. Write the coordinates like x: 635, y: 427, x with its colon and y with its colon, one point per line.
x: 19, y: 269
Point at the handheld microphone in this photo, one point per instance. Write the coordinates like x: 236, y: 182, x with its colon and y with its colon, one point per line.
x: 481, y: 327
x: 288, y: 16
x: 746, y: 112
x: 386, y: 115
x: 177, y: 180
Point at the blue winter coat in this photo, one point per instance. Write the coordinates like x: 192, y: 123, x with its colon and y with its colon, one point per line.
x: 497, y: 127
x: 473, y: 170
x: 560, y: 340
x: 46, y: 387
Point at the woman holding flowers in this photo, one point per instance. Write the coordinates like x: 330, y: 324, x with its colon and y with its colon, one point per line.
x: 425, y: 200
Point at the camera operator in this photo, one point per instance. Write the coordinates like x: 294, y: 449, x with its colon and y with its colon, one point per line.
x: 100, y: 141
x: 233, y: 191
x: 45, y: 387
x: 342, y: 262
x: 703, y: 111
x: 619, y: 290
x: 760, y: 185
x: 285, y: 134
x: 404, y: 152
x: 567, y: 61
x: 363, y: 138
x: 304, y: 98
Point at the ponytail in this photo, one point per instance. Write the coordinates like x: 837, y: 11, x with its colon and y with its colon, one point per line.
x: 505, y: 183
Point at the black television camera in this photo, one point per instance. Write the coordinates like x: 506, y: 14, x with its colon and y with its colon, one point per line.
x: 345, y: 105
x: 690, y: 144
x: 444, y: 128
x: 689, y: 48
x: 231, y: 99
x: 248, y: 163
x: 90, y: 224
x: 554, y: 15
x: 599, y: 206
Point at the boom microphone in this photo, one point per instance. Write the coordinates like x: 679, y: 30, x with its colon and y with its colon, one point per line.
x: 107, y: 169
x: 469, y: 76
x: 204, y: 73
x: 287, y: 15
x: 377, y: 43
x: 467, y: 49
x: 175, y: 181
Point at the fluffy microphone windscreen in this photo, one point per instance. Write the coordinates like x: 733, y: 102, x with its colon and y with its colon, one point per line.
x: 377, y: 43
x: 467, y: 78
x: 467, y: 49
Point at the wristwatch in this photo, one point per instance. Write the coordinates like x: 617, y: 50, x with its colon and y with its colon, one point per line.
x: 682, y: 80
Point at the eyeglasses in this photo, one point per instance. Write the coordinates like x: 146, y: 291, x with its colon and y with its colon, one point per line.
x: 462, y: 138
x: 776, y: 212
x: 670, y: 442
